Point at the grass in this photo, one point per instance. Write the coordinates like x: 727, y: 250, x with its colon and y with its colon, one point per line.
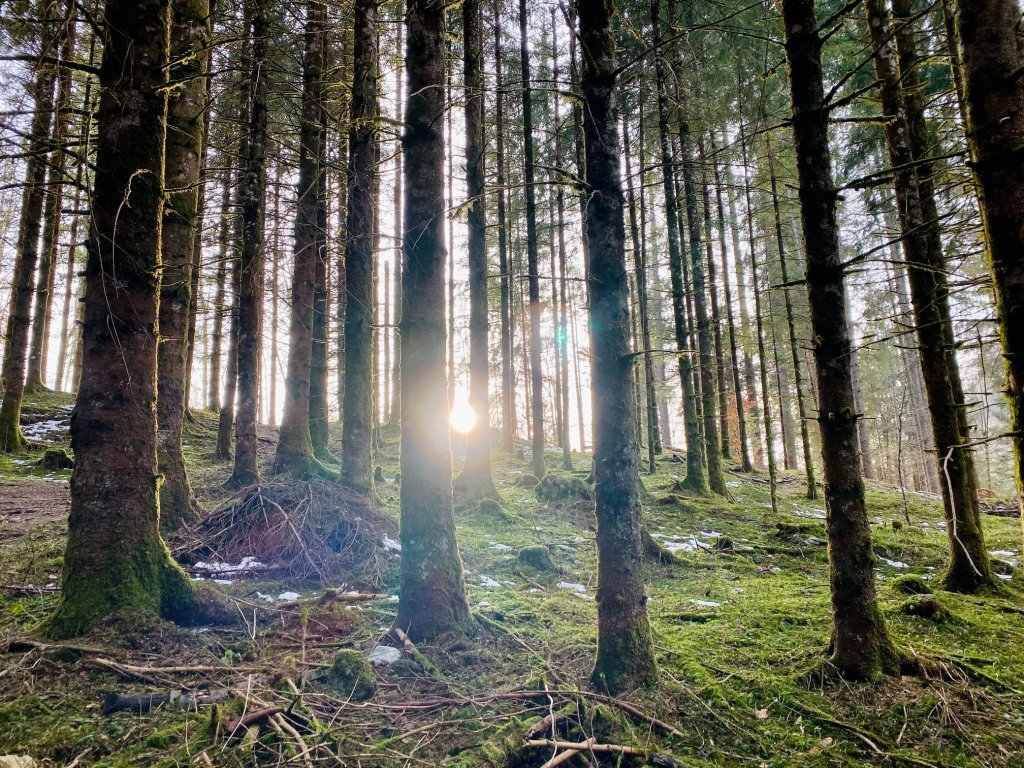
x: 736, y: 630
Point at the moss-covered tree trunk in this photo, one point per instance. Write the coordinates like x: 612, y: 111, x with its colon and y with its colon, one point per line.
x: 475, y: 478
x: 907, y: 140
x: 696, y: 471
x: 357, y: 427
x: 860, y: 642
x: 252, y: 192
x: 27, y: 256
x: 992, y: 61
x: 432, y: 593
x: 318, y: 387
x: 219, y: 296
x: 294, y: 445
x: 190, y: 33
x: 625, y: 653
x: 115, y: 558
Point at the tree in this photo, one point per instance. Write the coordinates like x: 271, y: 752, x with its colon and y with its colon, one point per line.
x: 357, y: 426
x: 432, y: 593
x: 992, y: 62
x: 475, y: 479
x: 19, y: 315
x: 625, y: 651
x: 860, y: 645
x: 294, y: 445
x: 115, y: 558
x: 533, y: 278
x: 907, y: 140
x: 190, y: 32
x: 252, y: 195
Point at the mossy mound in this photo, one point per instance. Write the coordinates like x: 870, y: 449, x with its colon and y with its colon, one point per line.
x: 910, y: 584
x: 350, y: 675
x: 303, y: 530
x: 56, y: 458
x: 493, y: 508
x: 537, y: 557
x: 927, y: 607
x: 562, y: 488
x: 527, y: 481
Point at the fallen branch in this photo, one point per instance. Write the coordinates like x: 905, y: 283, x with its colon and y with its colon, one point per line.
x: 149, y: 673
x: 116, y: 702
x: 416, y: 655
x: 234, y: 722
x: 589, y: 745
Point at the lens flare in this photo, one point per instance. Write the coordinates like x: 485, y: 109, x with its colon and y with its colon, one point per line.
x: 462, y: 418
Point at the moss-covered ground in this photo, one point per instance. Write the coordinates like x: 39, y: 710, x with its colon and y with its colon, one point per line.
x: 739, y: 618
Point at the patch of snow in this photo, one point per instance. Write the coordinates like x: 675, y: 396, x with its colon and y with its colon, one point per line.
x: 391, y: 545
x: 732, y: 484
x: 1004, y: 576
x: 223, y: 581
x: 288, y: 596
x: 706, y: 603
x: 533, y: 589
x: 893, y: 563
x: 393, y: 599
x: 487, y: 581
x: 483, y: 604
x: 384, y: 655
x: 246, y: 564
x: 42, y: 430
x: 813, y: 514
x: 264, y: 598
x: 501, y: 547
x: 1005, y: 553
x: 571, y: 585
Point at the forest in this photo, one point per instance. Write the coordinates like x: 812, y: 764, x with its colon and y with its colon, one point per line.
x: 394, y: 383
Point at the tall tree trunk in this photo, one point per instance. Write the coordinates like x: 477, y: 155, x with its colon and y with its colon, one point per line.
x: 357, y: 427
x: 508, y: 381
x: 860, y: 645
x: 992, y: 61
x: 190, y: 34
x: 907, y: 139
x: 294, y: 445
x: 39, y: 348
x: 762, y: 357
x: 625, y: 652
x: 432, y: 592
x: 319, y: 413
x: 794, y: 347
x: 536, y: 375
x: 741, y: 422
x: 696, y: 470
x: 561, y: 323
x: 220, y: 294
x: 475, y: 479
x: 395, y: 408
x: 716, y: 318
x: 115, y: 558
x: 640, y: 269
x: 251, y: 259
x: 20, y: 312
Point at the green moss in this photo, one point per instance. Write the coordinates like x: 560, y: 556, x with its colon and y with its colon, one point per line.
x: 56, y: 459
x: 537, y: 557
x: 351, y: 675
x: 910, y: 584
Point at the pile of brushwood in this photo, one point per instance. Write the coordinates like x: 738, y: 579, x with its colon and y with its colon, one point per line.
x: 296, y: 530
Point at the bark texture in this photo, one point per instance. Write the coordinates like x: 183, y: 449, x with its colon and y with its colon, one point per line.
x: 432, y: 592
x: 115, y: 558
x: 860, y: 646
x: 357, y: 429
x: 625, y: 652
x: 190, y: 33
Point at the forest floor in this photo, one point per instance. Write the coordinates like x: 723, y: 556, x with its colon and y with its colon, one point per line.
x: 740, y: 616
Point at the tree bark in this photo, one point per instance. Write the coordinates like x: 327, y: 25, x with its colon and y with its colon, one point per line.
x: 860, y: 645
x: 294, y: 445
x: 20, y: 313
x: 251, y: 259
x: 432, y: 593
x: 190, y: 33
x: 115, y: 558
x: 992, y: 61
x: 357, y: 427
x: 508, y: 381
x: 475, y: 479
x: 625, y: 651
x: 907, y: 139
x: 533, y: 278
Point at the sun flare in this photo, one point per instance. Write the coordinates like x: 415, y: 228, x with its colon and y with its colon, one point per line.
x: 462, y: 418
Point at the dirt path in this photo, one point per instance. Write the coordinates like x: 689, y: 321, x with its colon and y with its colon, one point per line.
x: 29, y: 503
